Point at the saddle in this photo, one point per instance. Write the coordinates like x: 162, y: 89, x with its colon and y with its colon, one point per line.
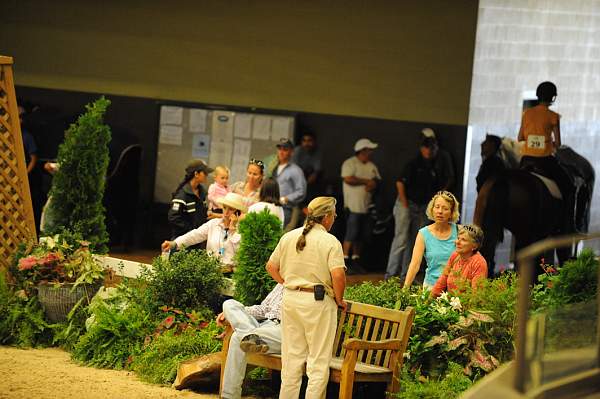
x: 575, y: 217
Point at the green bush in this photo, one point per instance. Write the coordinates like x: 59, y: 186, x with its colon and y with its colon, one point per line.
x: 78, y: 185
x: 22, y: 323
x: 414, y: 386
x: 188, y: 280
x: 260, y: 234
x: 115, y: 336
x: 159, y: 360
x: 386, y: 293
x: 576, y: 281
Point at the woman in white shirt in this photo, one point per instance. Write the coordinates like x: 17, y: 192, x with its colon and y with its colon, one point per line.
x: 269, y: 199
x: 221, y: 236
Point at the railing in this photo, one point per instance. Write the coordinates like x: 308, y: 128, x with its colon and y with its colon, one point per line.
x: 562, y: 366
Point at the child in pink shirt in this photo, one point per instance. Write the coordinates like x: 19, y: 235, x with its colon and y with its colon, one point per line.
x: 218, y: 189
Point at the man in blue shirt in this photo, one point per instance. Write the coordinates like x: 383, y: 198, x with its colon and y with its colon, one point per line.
x: 292, y: 184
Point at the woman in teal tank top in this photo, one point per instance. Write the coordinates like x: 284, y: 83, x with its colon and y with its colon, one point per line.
x: 436, y: 241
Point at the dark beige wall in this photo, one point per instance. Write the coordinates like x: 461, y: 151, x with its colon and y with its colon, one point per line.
x: 401, y: 60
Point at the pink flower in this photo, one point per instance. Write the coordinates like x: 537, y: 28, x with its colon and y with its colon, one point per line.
x: 27, y: 263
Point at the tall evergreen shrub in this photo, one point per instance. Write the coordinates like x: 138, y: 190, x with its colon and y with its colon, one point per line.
x: 260, y: 235
x: 78, y: 186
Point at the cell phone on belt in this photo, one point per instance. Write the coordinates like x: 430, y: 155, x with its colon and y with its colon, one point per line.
x: 319, y: 292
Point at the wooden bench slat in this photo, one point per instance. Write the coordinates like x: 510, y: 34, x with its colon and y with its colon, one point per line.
x: 365, y: 336
x: 374, y: 337
x: 393, y: 334
x: 380, y: 354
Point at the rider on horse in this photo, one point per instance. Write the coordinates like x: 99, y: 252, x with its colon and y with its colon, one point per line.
x: 540, y: 134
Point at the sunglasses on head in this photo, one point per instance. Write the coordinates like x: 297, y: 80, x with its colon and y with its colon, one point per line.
x: 257, y: 162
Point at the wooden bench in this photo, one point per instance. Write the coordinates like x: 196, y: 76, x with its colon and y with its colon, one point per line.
x: 369, y: 345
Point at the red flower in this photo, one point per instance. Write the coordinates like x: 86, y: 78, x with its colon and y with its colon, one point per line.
x: 168, y: 322
x: 27, y: 263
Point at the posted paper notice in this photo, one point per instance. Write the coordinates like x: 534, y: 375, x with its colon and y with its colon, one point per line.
x: 170, y: 134
x: 171, y: 115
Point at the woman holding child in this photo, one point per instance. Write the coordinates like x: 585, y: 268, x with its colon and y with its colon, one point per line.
x: 250, y: 189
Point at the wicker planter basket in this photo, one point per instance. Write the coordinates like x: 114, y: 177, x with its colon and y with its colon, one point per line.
x: 58, y: 301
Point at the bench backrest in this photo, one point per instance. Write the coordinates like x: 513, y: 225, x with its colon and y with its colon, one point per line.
x: 373, y: 323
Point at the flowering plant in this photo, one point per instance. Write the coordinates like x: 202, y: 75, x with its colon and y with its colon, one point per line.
x: 62, y: 258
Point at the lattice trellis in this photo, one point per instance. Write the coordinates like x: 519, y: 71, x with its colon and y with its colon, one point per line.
x: 16, y: 213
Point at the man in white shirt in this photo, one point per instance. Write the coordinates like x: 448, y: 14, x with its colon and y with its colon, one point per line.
x: 360, y: 177
x: 256, y: 329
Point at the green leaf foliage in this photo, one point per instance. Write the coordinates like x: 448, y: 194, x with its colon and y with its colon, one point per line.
x: 78, y: 185
x: 260, y: 234
x: 450, y: 386
x: 159, y: 360
x: 22, y: 322
x: 115, y: 336
x: 188, y: 280
x: 385, y: 293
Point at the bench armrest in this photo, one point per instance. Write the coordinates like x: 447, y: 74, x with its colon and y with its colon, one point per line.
x: 361, y: 344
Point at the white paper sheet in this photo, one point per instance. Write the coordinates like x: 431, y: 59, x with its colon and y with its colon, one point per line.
x: 200, y: 146
x: 170, y: 115
x: 170, y: 134
x: 197, y: 120
x: 261, y: 127
x: 220, y: 153
x: 280, y: 128
x: 242, y: 126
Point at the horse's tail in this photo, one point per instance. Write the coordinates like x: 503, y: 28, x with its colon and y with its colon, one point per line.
x: 489, y: 208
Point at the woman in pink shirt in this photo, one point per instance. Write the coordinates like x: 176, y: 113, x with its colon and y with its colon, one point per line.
x: 465, y: 265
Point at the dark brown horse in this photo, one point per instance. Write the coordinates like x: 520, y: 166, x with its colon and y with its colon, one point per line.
x: 520, y: 202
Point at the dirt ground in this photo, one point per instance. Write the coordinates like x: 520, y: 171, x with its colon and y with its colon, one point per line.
x: 50, y: 374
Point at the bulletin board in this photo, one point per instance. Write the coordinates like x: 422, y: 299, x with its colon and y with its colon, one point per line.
x: 218, y: 137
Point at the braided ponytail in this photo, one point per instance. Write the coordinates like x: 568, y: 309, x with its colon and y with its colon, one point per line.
x: 310, y: 223
x: 317, y: 210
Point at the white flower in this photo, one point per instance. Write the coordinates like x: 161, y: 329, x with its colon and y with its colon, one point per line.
x: 443, y: 296
x: 455, y: 303
x: 442, y: 309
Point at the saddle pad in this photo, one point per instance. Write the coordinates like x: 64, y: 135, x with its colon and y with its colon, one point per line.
x: 550, y: 185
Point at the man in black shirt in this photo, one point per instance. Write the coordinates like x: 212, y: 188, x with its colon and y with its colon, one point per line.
x: 430, y: 171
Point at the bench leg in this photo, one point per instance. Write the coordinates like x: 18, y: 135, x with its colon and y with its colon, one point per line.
x: 347, y: 375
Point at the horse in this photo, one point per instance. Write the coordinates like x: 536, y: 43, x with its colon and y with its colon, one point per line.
x: 522, y: 203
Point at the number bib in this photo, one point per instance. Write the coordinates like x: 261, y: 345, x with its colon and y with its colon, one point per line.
x: 536, y: 142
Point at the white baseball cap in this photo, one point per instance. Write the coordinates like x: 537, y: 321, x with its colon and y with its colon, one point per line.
x: 364, y: 143
x: 428, y: 132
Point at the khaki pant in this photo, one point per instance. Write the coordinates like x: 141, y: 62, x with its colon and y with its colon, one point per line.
x: 308, y: 333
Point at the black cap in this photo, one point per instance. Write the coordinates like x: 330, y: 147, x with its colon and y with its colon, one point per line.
x: 285, y: 143
x: 198, y: 165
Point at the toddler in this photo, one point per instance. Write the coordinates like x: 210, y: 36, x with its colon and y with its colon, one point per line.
x: 218, y: 189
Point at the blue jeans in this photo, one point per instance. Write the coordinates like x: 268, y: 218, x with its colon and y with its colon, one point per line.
x: 396, y: 263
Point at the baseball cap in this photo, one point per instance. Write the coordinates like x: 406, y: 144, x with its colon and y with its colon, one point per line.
x: 198, y: 165
x: 364, y: 143
x: 285, y: 143
x: 428, y: 132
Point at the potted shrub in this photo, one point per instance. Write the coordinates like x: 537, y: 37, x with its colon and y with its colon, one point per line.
x: 62, y: 270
